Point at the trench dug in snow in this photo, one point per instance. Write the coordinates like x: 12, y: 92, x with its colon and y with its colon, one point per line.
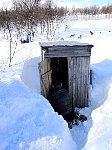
x: 102, y: 76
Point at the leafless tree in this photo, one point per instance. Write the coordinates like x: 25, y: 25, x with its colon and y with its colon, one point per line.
x: 107, y: 10
x: 51, y: 18
x: 7, y: 23
x: 26, y: 12
x: 94, y: 10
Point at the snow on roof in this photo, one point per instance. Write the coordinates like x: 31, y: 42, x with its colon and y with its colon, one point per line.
x: 63, y: 43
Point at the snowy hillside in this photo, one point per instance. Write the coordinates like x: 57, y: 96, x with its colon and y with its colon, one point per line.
x: 27, y: 120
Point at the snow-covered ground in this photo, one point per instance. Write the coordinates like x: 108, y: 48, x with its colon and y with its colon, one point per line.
x: 27, y: 120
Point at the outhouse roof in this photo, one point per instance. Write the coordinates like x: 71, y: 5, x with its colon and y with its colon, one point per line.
x: 63, y: 44
x: 65, y: 49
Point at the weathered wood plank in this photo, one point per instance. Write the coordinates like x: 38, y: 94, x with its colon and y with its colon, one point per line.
x: 68, y: 48
x: 67, y: 51
x: 51, y: 55
x: 45, y: 77
x: 80, y: 81
x: 70, y: 79
x: 74, y: 81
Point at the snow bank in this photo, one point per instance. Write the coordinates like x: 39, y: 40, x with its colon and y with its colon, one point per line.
x: 27, y: 121
x: 102, y: 75
x: 100, y: 135
x: 30, y: 74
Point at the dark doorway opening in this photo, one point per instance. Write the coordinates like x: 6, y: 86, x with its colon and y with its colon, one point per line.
x: 59, y: 94
x: 59, y: 66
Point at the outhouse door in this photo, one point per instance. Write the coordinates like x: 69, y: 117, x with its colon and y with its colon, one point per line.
x: 79, y: 69
x: 45, y: 77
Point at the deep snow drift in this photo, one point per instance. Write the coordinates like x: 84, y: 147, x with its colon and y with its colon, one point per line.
x: 27, y: 120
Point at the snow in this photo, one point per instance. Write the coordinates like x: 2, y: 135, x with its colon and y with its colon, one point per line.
x: 30, y: 74
x: 62, y: 43
x: 27, y: 120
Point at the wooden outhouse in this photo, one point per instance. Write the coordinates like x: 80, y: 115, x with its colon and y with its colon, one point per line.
x: 69, y: 61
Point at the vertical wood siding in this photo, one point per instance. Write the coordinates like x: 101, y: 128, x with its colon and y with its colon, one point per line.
x: 78, y: 68
x: 45, y: 77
